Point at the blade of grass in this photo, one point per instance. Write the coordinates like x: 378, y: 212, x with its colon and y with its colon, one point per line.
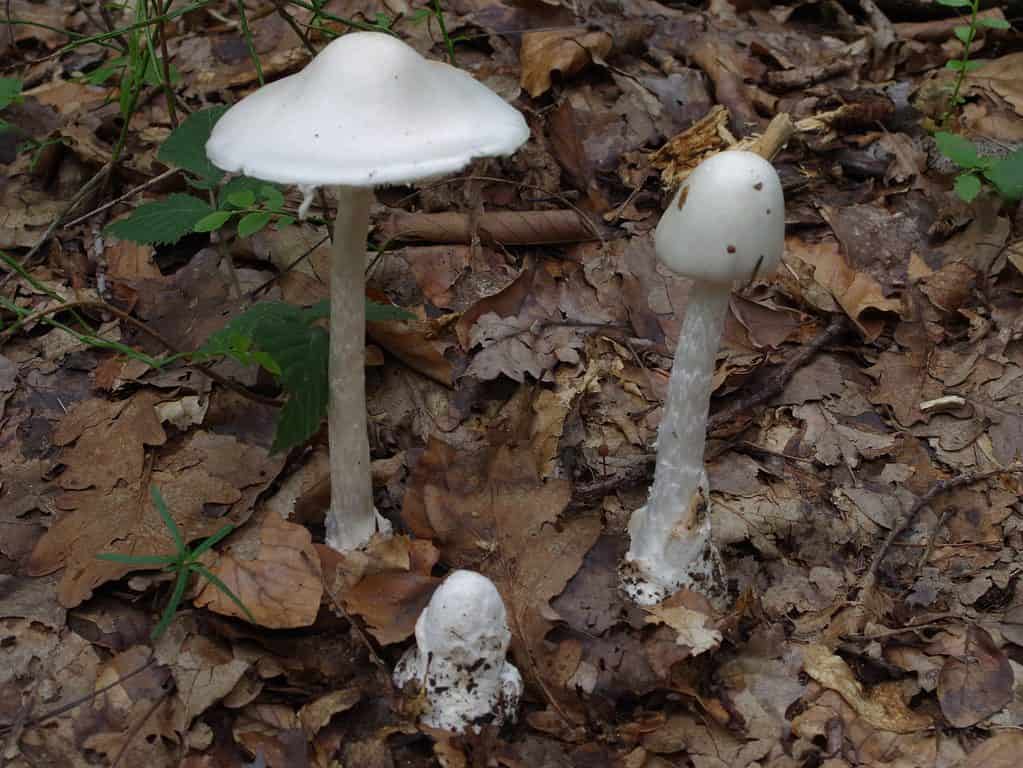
x: 161, y: 507
x: 215, y: 581
x: 214, y: 539
x: 141, y: 560
x: 172, y: 605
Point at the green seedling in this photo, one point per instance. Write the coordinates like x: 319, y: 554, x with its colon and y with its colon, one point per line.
x: 184, y: 563
x: 1005, y: 174
x: 10, y: 93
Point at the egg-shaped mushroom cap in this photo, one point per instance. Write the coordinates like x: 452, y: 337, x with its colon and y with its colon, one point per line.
x: 368, y: 110
x: 726, y: 222
x: 465, y: 615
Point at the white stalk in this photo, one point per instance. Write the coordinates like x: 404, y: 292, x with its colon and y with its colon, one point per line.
x: 671, y: 546
x: 352, y: 519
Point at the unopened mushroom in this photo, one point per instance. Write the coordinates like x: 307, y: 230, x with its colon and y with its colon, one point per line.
x: 726, y: 223
x: 367, y: 111
x: 459, y: 661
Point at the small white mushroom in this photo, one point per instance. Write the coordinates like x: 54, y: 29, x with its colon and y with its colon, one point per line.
x: 726, y: 223
x: 462, y: 637
x: 368, y: 111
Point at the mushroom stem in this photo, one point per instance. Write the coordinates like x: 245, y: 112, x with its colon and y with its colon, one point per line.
x: 352, y: 519
x: 671, y: 546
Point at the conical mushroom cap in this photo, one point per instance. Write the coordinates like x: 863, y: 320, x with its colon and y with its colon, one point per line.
x: 726, y: 222
x: 367, y: 111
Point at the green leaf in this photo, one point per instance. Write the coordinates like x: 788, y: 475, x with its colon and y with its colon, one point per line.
x: 10, y: 91
x: 967, y: 186
x: 242, y: 198
x: 993, y: 23
x: 168, y: 520
x: 105, y: 71
x: 955, y: 65
x: 954, y: 3
x: 302, y: 352
x: 272, y: 196
x: 1007, y: 175
x: 162, y: 222
x: 251, y: 223
x: 965, y: 34
x: 173, y: 603
x: 215, y: 220
x: 210, y: 542
x: 960, y: 151
x: 285, y: 221
x: 143, y: 561
x: 970, y: 66
x: 186, y: 146
x: 239, y: 184
x: 376, y: 313
x: 215, y: 581
x: 240, y: 332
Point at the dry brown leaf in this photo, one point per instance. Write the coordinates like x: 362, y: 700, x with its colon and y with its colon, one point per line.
x: 317, y: 713
x: 567, y: 51
x: 976, y: 684
x: 205, y: 669
x: 279, y: 582
x: 882, y: 706
x: 681, y: 154
x: 860, y: 295
x: 692, y: 623
x: 1002, y: 750
x: 390, y: 602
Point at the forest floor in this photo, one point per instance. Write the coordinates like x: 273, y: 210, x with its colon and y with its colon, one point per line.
x: 863, y: 452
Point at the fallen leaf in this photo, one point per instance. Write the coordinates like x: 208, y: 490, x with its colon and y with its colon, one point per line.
x: 567, y: 51
x: 691, y: 625
x: 881, y: 706
x: 976, y: 684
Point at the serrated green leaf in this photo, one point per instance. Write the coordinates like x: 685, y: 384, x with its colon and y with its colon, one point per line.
x: 302, y: 353
x: 251, y: 223
x: 215, y: 220
x: 967, y: 186
x: 1007, y: 175
x: 954, y: 3
x: 186, y: 146
x: 285, y: 221
x: 965, y: 34
x: 239, y: 184
x: 10, y: 91
x: 242, y: 198
x: 162, y: 222
x: 959, y: 150
x: 240, y: 331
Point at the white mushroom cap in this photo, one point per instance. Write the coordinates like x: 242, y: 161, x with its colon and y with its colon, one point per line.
x: 731, y: 216
x: 367, y: 111
x: 462, y: 637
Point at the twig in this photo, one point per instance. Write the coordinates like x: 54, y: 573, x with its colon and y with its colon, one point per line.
x: 120, y: 314
x: 130, y: 193
x: 777, y: 382
x: 374, y: 656
x: 82, y: 699
x: 84, y: 192
x: 938, y: 488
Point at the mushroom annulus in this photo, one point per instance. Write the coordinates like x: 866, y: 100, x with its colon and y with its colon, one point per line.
x: 458, y: 661
x: 725, y: 223
x: 367, y: 111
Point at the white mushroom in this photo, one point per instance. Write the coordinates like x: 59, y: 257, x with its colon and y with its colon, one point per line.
x: 462, y: 637
x: 726, y: 223
x: 367, y: 111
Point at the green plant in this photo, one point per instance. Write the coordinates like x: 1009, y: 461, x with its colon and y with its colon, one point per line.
x: 966, y: 33
x: 1005, y: 174
x: 10, y: 93
x: 184, y: 563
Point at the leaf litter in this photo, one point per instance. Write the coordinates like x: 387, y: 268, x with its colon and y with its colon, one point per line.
x: 870, y: 531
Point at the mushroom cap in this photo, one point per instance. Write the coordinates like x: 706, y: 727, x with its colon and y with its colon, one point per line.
x: 731, y: 216
x: 465, y: 615
x: 368, y: 110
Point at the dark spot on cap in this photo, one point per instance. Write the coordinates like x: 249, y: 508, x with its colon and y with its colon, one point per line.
x: 768, y: 211
x: 682, y: 196
x: 758, y: 186
x: 731, y: 249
